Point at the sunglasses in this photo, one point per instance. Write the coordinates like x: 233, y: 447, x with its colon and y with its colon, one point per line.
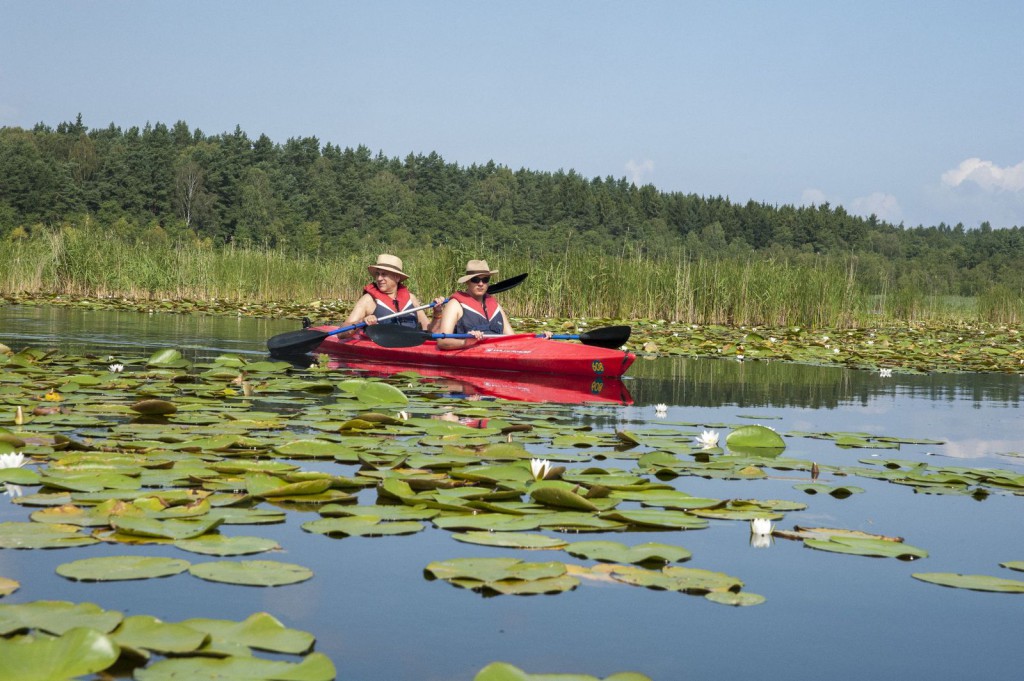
x: 481, y: 280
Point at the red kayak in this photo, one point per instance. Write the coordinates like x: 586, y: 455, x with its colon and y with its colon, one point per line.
x: 518, y: 352
x: 507, y: 385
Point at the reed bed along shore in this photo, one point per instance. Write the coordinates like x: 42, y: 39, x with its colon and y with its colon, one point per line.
x: 575, y: 283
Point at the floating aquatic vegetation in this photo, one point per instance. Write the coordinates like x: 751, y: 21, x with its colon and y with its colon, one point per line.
x: 200, y: 456
x: 252, y: 572
x: 972, y: 582
x: 8, y: 586
x: 615, y: 552
x: 502, y: 671
x: 120, y: 568
x: 509, y: 576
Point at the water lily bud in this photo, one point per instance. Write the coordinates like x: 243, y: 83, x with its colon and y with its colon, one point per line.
x: 19, y: 417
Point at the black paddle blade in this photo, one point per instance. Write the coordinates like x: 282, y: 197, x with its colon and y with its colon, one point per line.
x: 395, y: 336
x: 295, y: 342
x: 610, y: 337
x: 506, y: 284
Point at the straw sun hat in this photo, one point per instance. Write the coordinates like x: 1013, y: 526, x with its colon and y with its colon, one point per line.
x: 388, y: 263
x: 476, y: 268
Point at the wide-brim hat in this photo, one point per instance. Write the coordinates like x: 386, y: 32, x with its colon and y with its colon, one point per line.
x: 476, y: 268
x: 388, y: 263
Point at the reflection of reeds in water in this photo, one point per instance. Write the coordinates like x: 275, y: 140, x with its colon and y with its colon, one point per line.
x: 722, y: 382
x: 577, y: 282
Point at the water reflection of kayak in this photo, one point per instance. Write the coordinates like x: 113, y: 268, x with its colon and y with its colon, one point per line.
x: 507, y: 385
x: 518, y: 352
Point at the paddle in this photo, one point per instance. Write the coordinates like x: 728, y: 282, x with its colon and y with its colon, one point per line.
x: 304, y: 340
x: 391, y: 336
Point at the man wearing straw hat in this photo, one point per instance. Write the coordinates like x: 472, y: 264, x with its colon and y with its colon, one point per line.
x: 386, y: 295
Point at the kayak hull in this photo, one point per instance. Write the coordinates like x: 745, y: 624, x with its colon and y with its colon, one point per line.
x: 519, y: 352
x: 505, y: 385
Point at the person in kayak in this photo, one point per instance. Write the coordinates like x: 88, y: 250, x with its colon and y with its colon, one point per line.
x: 386, y: 295
x: 473, y: 310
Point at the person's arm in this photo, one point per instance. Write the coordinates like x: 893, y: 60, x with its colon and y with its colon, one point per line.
x: 430, y: 323
x: 506, y: 325
x: 449, y: 318
x: 362, y: 312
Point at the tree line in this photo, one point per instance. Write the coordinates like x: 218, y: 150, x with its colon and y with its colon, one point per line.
x: 173, y: 183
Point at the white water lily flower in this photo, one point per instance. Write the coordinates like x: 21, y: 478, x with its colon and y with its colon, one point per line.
x: 762, y: 526
x: 116, y: 368
x: 404, y: 415
x: 539, y: 468
x: 885, y: 373
x: 13, y: 460
x: 707, y: 439
x: 660, y: 408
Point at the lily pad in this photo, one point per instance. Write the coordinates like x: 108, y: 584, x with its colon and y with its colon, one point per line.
x: 743, y: 598
x: 16, y: 535
x: 610, y: 551
x: 502, y: 671
x: 252, y: 572
x: 315, y: 667
x: 145, y: 632
x: 972, y: 582
x: 503, y: 575
x: 561, y: 495
x: 860, y: 546
x: 78, y: 652
x: 374, y: 392
x: 686, y: 580
x: 56, y: 617
x: 164, y: 529
x: 154, y: 407
x: 121, y: 568
x: 8, y: 586
x: 219, y: 545
x: 512, y: 540
x: 754, y: 437
x: 260, y: 630
x: 361, y: 526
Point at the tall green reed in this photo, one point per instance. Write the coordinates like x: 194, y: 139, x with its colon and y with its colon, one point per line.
x: 574, y: 282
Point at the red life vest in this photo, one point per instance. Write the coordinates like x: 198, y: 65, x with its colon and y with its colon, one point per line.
x: 387, y: 305
x: 484, y: 317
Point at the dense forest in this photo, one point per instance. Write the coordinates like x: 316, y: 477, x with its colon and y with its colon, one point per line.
x: 174, y: 184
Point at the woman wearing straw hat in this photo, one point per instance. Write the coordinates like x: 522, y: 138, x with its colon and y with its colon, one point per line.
x: 386, y: 295
x: 473, y: 310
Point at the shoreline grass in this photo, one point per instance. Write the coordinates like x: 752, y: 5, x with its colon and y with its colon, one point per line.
x: 819, y: 292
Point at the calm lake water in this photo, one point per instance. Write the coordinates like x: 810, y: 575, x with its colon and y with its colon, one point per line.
x: 826, y: 616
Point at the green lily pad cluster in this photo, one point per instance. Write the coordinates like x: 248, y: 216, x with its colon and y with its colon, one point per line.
x: 916, y: 348
x: 60, y: 640
x: 171, y: 453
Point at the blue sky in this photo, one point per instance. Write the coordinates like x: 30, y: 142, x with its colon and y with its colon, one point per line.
x: 913, y: 111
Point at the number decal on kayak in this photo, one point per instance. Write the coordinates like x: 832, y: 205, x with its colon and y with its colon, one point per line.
x: 598, y: 366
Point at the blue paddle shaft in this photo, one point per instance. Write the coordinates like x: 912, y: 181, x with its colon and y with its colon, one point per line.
x: 360, y: 325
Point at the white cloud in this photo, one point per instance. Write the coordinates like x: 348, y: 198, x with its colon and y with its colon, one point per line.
x: 638, y: 171
x: 986, y: 175
x: 885, y: 206
x: 813, y: 197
